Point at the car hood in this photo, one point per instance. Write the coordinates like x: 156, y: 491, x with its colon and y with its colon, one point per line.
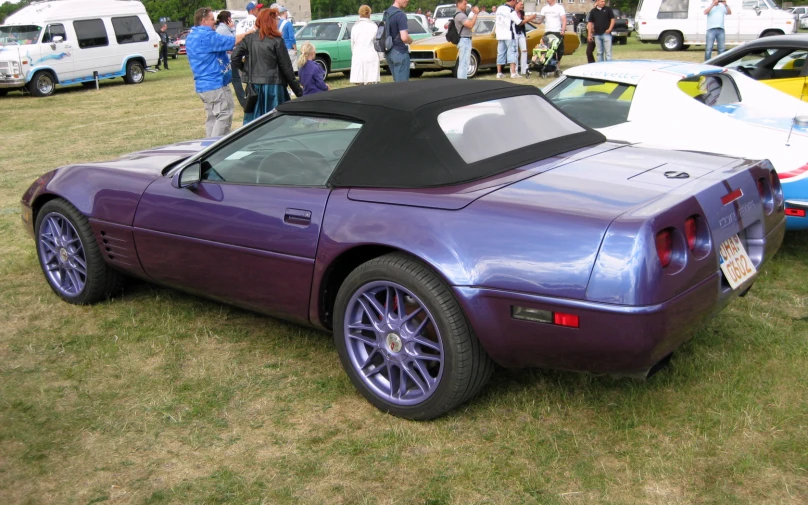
x: 430, y: 43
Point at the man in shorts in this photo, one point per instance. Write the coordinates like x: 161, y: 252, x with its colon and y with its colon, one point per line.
x: 505, y: 30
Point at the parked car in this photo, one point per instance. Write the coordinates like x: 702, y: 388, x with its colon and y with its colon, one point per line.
x: 528, y: 241
x: 332, y: 38
x: 778, y: 61
x: 435, y: 53
x: 621, y: 29
x: 676, y: 25
x: 798, y: 11
x: 180, y: 41
x: 694, y: 107
x: 173, y: 48
x: 804, y: 22
x: 73, y: 41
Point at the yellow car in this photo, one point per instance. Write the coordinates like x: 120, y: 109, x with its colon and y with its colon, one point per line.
x: 436, y: 53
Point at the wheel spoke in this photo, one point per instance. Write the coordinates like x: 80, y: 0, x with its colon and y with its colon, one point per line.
x: 417, y: 380
x: 368, y: 359
x: 424, y: 373
x: 402, y: 382
x: 365, y: 340
x: 427, y: 343
x: 362, y: 327
x: 49, y: 245
x: 408, y: 317
x: 74, y: 279
x: 374, y: 371
x: 372, y: 306
x: 420, y: 327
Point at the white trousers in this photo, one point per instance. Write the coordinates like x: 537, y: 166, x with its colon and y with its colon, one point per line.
x: 522, y: 42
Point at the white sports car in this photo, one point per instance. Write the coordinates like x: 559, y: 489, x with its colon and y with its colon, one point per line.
x: 694, y: 107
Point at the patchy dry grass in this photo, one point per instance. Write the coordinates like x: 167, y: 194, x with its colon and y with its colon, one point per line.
x: 158, y: 397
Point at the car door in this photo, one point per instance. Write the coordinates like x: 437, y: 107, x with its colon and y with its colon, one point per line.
x: 754, y: 17
x: 57, y: 54
x: 93, y: 52
x: 247, y: 232
x: 344, y: 47
x: 789, y: 72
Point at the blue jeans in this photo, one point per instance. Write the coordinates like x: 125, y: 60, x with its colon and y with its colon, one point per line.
x: 714, y: 35
x: 399, y: 64
x: 603, y: 43
x: 463, y: 57
x: 506, y: 52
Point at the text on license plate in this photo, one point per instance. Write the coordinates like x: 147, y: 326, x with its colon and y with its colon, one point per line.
x: 735, y: 263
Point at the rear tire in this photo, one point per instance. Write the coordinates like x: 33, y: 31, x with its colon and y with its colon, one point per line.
x: 69, y: 255
x: 416, y: 73
x: 42, y: 84
x: 770, y: 33
x: 671, y: 41
x: 404, y: 341
x: 3, y: 92
x: 135, y: 73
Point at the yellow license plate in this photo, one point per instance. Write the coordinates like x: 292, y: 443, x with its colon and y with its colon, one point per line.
x: 735, y: 263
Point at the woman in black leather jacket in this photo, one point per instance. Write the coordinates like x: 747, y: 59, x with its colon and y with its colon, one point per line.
x: 268, y: 68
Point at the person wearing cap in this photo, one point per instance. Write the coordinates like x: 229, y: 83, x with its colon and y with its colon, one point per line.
x: 207, y: 54
x: 288, y: 32
x: 249, y: 22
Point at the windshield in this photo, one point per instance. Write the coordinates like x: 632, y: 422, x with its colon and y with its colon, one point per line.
x: 320, y: 31
x: 595, y: 103
x: 445, y: 12
x: 19, y: 35
x: 483, y: 26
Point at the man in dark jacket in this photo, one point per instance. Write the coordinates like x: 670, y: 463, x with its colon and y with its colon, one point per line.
x: 163, y: 47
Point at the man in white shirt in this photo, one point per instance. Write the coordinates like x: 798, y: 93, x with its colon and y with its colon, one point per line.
x: 247, y: 23
x: 506, y: 20
x: 555, y: 23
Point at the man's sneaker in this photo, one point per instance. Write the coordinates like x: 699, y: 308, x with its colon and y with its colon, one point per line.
x: 499, y: 76
x: 516, y: 76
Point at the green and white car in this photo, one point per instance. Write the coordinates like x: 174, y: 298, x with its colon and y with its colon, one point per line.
x: 332, y: 38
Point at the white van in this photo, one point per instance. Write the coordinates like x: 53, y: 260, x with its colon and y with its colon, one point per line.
x: 678, y: 24
x: 71, y: 41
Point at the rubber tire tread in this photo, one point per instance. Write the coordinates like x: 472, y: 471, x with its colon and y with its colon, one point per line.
x: 33, y: 89
x: 474, y: 366
x: 102, y: 280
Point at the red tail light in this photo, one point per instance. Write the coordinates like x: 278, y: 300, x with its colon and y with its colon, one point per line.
x: 562, y: 319
x: 690, y: 232
x: 664, y: 247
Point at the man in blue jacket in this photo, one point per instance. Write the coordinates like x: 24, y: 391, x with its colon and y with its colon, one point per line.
x: 288, y: 32
x: 210, y: 64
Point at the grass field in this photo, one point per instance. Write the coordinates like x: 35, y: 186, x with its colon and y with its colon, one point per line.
x: 157, y: 397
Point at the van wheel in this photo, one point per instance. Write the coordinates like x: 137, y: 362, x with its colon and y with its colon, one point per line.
x: 416, y: 73
x: 671, y: 41
x: 134, y: 73
x: 770, y: 33
x: 42, y: 84
x: 3, y: 92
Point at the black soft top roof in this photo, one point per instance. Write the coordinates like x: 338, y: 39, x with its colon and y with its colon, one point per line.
x: 401, y: 144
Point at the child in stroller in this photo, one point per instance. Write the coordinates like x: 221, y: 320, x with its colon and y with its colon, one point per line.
x: 545, y: 59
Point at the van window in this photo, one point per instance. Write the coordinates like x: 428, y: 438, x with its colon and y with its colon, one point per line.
x: 673, y: 9
x: 53, y: 31
x: 91, y: 33
x: 755, y: 4
x: 129, y: 30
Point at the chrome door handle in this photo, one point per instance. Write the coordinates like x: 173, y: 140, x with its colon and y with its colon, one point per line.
x: 297, y: 216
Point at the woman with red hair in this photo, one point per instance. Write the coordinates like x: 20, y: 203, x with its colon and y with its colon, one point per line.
x: 267, y: 67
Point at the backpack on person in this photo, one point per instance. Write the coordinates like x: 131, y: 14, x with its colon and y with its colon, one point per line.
x: 452, y: 35
x: 383, y: 41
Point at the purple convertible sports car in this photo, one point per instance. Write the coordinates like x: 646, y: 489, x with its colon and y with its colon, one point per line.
x: 435, y: 227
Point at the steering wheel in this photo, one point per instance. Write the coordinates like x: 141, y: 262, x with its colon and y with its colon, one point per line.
x: 285, y: 167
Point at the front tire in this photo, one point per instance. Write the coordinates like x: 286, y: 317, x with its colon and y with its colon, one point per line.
x: 69, y: 255
x: 134, y: 73
x: 323, y: 64
x: 671, y: 41
x: 404, y: 341
x: 42, y: 84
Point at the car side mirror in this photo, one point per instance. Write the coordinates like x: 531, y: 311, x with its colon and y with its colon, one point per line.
x: 435, y: 29
x: 188, y: 176
x: 58, y: 39
x: 757, y: 10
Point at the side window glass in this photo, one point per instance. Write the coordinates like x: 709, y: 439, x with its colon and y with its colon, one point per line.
x: 414, y: 27
x: 91, y: 33
x: 754, y: 4
x: 711, y: 90
x: 129, y: 29
x: 347, y: 35
x: 53, y: 31
x: 286, y: 151
x: 673, y: 9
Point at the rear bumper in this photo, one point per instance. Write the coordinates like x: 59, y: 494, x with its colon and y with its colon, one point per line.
x: 611, y: 339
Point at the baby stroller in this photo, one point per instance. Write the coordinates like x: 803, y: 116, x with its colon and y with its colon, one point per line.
x: 545, y: 57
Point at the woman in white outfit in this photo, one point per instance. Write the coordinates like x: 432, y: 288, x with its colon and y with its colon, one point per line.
x: 364, y: 58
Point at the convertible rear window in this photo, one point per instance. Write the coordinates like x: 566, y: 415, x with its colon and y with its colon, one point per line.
x: 593, y: 102
x: 484, y: 130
